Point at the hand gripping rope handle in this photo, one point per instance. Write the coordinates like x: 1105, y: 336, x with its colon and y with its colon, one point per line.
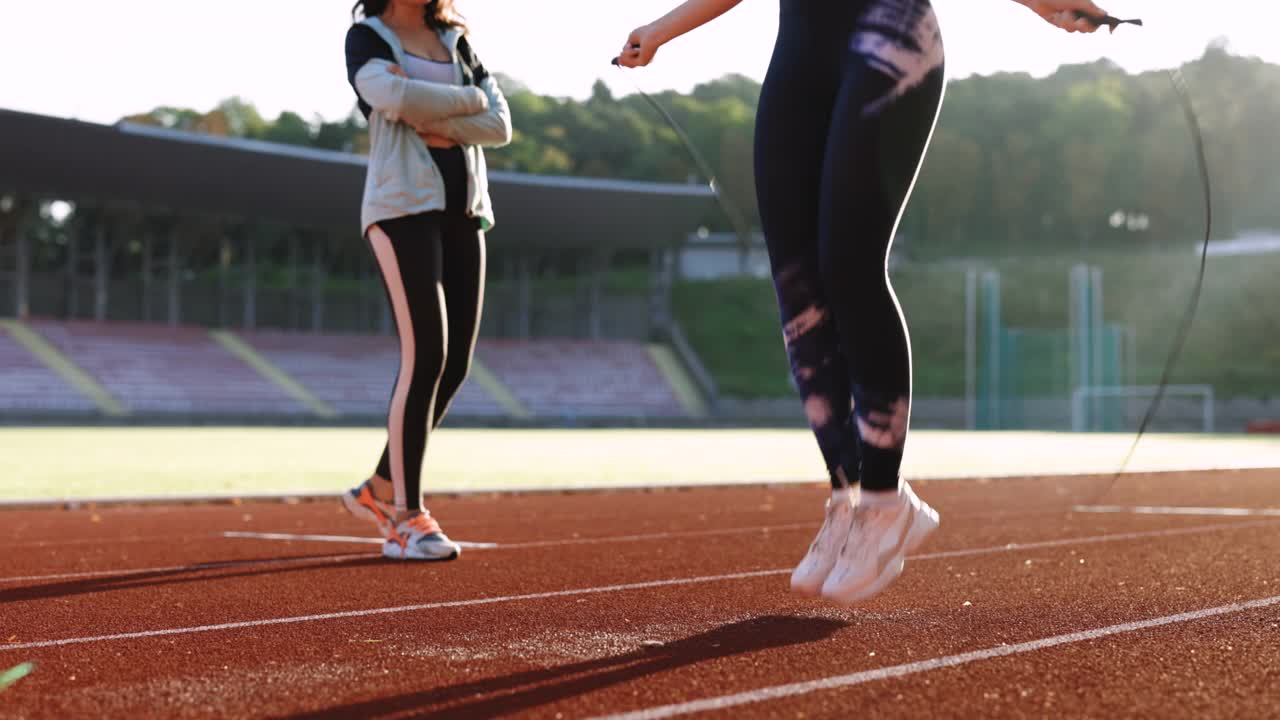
x: 1100, y: 20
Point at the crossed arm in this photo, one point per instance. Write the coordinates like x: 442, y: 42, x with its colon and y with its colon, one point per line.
x: 444, y: 115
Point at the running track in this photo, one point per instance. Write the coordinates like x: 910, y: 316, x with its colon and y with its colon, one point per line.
x: 655, y: 604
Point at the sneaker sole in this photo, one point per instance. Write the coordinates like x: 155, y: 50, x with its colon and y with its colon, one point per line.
x: 392, y: 551
x: 923, y: 522
x: 810, y: 584
x: 810, y: 587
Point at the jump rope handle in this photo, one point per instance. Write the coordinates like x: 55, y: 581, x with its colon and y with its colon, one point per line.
x: 1109, y: 21
x: 615, y: 60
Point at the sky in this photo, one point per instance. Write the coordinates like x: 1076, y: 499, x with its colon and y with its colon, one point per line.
x: 99, y: 61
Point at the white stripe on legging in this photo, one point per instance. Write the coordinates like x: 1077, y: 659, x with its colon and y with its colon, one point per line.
x: 390, y: 268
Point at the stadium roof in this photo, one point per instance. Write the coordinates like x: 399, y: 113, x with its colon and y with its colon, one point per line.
x: 188, y: 173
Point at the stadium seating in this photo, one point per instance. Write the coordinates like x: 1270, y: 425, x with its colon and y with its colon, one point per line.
x: 163, y: 370
x: 581, y: 378
x: 27, y: 385
x: 353, y: 373
x: 160, y: 370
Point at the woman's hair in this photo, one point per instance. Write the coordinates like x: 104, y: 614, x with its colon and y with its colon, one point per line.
x: 437, y: 13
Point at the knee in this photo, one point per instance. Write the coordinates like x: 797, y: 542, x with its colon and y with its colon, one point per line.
x: 798, y: 287
x: 852, y: 277
x: 429, y: 367
x: 456, y: 370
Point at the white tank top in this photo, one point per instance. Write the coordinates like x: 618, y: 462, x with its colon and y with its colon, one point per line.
x: 420, y: 68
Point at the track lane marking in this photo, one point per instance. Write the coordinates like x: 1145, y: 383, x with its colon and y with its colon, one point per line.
x: 194, y: 567
x: 776, y: 692
x: 1092, y: 539
x: 1178, y: 510
x: 389, y: 610
x: 593, y: 590
x: 640, y: 537
x: 968, y: 552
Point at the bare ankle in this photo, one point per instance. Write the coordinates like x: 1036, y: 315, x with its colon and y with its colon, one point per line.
x: 403, y: 515
x: 382, y: 488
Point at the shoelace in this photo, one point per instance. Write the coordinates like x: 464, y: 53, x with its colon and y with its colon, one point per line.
x: 827, y: 536
x: 863, y: 518
x: 424, y: 523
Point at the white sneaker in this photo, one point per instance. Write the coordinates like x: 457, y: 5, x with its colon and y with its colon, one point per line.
x: 877, y: 546
x: 420, y: 538
x: 812, y: 571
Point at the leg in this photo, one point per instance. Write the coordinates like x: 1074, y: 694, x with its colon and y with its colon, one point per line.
x: 408, y: 254
x: 462, y: 278
x: 791, y: 128
x: 888, y: 103
x: 463, y: 282
x: 792, y: 125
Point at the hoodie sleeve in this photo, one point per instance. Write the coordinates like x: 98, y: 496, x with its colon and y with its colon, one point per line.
x: 401, y: 99
x: 489, y: 128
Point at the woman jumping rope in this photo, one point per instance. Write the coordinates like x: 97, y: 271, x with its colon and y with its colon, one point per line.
x: 846, y: 112
x: 431, y: 105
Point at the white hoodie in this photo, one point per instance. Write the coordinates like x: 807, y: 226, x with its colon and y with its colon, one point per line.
x: 403, y: 178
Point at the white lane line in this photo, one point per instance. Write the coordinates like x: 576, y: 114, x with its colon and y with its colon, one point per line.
x: 1177, y: 510
x: 536, y: 543
x: 897, y: 671
x: 312, y: 538
x: 761, y: 529
x: 598, y: 590
x: 967, y: 552
x: 333, y: 538
x: 1091, y: 539
x: 196, y: 567
x: 375, y: 541
x: 390, y: 610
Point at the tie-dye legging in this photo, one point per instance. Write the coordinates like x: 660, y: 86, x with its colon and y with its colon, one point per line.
x: 846, y: 112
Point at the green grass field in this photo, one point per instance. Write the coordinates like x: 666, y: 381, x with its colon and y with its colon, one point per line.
x: 1234, y: 344
x: 126, y: 462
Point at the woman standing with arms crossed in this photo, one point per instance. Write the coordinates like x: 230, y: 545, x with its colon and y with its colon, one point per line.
x: 846, y: 113
x: 431, y: 105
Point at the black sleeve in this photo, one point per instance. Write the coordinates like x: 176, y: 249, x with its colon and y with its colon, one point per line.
x: 476, y: 72
x: 363, y: 45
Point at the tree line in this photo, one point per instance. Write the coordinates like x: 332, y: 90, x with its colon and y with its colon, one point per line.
x: 1089, y: 158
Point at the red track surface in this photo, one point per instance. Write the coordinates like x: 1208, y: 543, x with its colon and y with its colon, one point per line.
x: 612, y: 650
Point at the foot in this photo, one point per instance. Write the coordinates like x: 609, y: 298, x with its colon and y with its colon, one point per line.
x: 419, y: 538
x: 877, y: 546
x: 812, y: 571
x: 361, y: 502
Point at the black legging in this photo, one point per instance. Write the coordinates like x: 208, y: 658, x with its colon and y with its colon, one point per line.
x: 845, y: 115
x: 432, y: 268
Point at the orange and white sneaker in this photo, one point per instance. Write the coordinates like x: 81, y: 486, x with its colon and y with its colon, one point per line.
x: 420, y: 538
x: 362, y: 503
